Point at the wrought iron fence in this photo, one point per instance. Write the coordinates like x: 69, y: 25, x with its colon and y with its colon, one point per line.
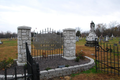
x: 47, y: 43
x: 31, y: 70
x: 107, y: 58
x: 15, y: 76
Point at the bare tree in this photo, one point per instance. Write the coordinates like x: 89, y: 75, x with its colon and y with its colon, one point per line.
x: 100, y: 29
x: 85, y: 33
x: 113, y: 24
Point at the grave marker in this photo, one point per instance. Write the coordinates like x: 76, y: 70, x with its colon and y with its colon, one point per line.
x: 107, y: 38
x: 112, y: 36
x: 0, y: 42
x: 77, y: 38
x: 115, y: 44
x: 90, y: 39
x: 101, y: 37
x: 99, y: 40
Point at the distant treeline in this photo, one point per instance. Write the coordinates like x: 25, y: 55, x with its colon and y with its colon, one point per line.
x: 8, y: 34
x: 101, y: 29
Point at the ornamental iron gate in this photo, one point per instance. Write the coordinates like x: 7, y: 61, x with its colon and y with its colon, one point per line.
x: 32, y: 66
x: 47, y: 43
x: 107, y: 58
x: 31, y: 70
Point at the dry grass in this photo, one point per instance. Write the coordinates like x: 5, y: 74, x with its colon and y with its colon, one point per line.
x: 88, y: 50
x: 8, y: 49
x: 98, y: 76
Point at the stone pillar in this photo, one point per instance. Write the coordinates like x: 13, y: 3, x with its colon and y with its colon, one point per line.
x: 24, y: 35
x: 69, y: 44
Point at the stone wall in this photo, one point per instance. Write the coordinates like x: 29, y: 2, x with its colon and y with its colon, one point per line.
x: 69, y: 44
x: 66, y: 70
x: 58, y: 71
x: 24, y: 35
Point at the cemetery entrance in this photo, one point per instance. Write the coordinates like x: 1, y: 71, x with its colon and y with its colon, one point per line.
x: 107, y: 58
x: 47, y: 45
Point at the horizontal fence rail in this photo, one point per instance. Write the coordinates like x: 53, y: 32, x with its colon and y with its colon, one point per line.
x: 24, y: 76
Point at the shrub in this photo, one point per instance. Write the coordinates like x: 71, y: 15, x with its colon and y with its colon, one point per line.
x: 25, y: 66
x: 77, y: 59
x: 48, y: 68
x: 66, y: 65
x: 44, y: 55
x: 6, y: 63
x: 81, y: 55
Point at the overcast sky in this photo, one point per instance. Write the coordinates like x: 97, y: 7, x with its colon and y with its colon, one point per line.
x: 57, y: 14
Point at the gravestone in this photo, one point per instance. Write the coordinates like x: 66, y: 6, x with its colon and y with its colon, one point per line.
x: 101, y: 37
x: 99, y: 40
x: 106, y: 39
x: 115, y: 44
x: 90, y: 39
x: 112, y: 36
x: 77, y: 38
x: 0, y: 42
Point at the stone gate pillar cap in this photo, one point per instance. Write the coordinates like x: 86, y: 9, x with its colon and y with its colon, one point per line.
x: 24, y: 27
x: 70, y: 29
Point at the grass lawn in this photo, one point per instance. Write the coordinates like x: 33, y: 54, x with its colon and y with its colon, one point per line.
x: 9, y: 49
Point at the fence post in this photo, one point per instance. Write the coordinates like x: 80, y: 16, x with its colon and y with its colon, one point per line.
x: 96, y: 53
x: 69, y: 44
x: 24, y: 35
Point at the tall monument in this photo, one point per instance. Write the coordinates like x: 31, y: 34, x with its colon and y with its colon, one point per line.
x: 90, y: 39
